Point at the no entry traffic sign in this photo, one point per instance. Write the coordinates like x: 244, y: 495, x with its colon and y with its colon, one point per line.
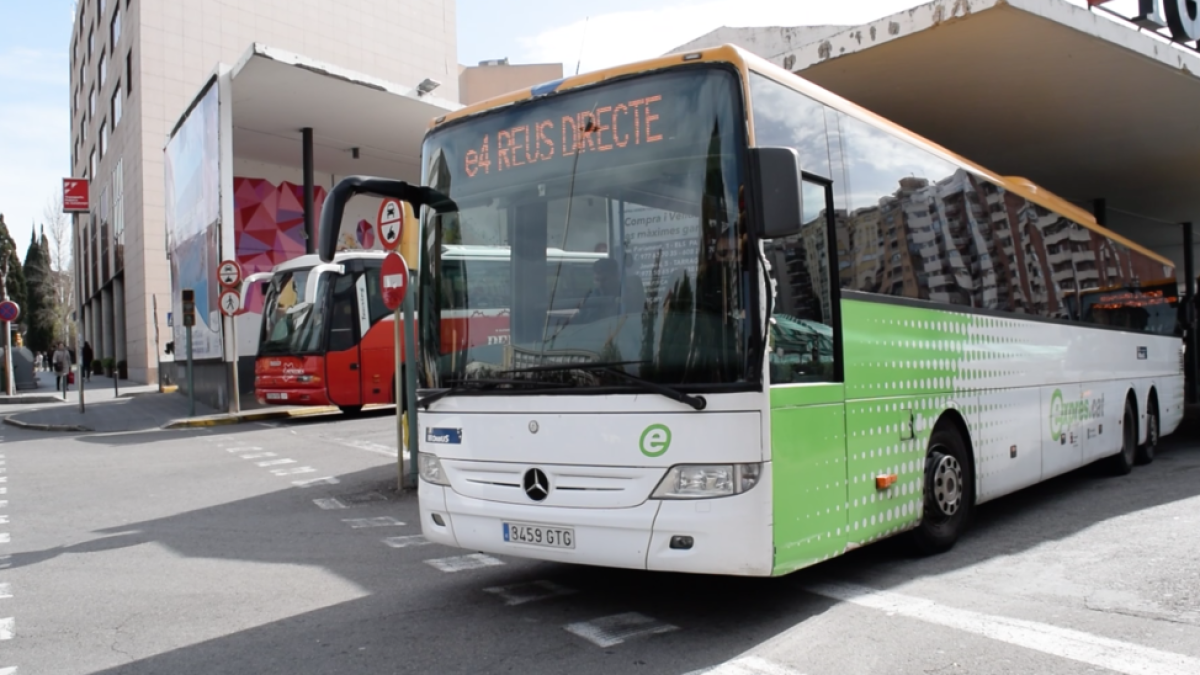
x: 390, y: 222
x: 394, y: 280
x: 9, y: 311
x: 229, y: 273
x: 231, y: 302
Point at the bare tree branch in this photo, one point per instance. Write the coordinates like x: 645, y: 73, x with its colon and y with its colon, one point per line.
x: 58, y: 233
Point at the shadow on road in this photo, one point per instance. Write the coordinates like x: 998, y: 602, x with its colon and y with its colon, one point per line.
x: 418, y: 620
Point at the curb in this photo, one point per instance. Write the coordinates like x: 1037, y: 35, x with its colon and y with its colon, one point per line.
x: 45, y: 427
x: 222, y: 420
x: 32, y: 399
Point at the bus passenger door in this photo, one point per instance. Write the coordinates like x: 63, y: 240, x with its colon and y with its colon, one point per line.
x: 343, y: 369
x: 807, y: 394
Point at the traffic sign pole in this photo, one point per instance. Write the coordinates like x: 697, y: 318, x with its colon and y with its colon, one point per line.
x: 229, y: 273
x: 410, y: 385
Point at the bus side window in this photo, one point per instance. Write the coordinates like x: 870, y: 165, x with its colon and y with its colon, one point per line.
x: 375, y: 305
x: 342, y: 324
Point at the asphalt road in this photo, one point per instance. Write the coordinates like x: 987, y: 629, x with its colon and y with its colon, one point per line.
x: 235, y: 551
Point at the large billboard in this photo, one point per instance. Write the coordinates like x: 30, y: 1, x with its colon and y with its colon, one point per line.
x: 193, y: 222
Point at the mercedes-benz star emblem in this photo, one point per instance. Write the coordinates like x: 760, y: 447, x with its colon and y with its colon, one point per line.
x: 536, y: 484
x: 533, y: 426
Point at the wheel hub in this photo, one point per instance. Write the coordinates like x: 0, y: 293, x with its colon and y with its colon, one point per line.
x: 947, y: 485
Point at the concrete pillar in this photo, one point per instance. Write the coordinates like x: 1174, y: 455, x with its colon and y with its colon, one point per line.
x: 119, y: 319
x: 104, y: 348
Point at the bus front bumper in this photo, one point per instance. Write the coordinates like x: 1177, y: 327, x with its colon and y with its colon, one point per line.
x: 730, y: 535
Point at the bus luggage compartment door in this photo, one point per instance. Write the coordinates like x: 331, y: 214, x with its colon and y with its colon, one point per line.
x: 343, y: 362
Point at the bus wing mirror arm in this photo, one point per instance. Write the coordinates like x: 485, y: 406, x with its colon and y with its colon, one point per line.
x: 775, y: 206
x: 335, y: 204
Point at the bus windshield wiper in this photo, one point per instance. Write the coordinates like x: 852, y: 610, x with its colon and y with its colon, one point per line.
x: 476, y: 383
x: 614, y: 368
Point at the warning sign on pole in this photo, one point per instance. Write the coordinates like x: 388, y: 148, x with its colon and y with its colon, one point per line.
x: 229, y: 273
x: 390, y: 222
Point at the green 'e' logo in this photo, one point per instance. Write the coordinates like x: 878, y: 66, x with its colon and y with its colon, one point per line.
x: 1058, y: 421
x: 655, y: 440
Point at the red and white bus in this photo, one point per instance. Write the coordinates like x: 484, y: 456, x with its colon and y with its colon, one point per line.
x: 327, y: 338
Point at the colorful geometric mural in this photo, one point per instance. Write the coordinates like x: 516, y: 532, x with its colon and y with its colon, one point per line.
x: 268, y: 226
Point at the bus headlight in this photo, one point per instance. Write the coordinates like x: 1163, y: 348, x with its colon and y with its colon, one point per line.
x: 430, y: 468
x: 699, y: 481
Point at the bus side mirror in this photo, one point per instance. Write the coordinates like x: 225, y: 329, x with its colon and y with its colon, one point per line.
x: 775, y: 200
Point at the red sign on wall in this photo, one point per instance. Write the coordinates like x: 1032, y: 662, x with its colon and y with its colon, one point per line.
x: 75, y: 195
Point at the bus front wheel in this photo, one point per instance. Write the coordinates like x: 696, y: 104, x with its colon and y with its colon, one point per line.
x: 949, y: 492
x: 350, y: 410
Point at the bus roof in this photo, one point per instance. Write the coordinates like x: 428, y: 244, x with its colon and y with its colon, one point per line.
x: 312, y: 260
x: 746, y: 62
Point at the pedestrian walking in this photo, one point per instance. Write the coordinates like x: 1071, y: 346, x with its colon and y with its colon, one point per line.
x: 62, y: 367
x: 88, y: 355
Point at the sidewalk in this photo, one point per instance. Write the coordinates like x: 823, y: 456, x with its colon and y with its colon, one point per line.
x: 138, y: 407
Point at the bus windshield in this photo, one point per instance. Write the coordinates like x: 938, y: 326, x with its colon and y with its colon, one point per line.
x: 614, y: 213
x: 292, y: 321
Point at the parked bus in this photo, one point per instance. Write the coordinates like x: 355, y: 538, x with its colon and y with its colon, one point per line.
x: 327, y: 338
x: 845, y: 332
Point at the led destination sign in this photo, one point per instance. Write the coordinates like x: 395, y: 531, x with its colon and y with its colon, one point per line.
x: 602, y: 129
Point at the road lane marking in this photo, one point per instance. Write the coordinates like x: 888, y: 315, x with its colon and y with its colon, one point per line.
x: 519, y: 594
x: 6, y: 628
x: 5, y: 590
x: 612, y: 630
x: 406, y: 541
x: 327, y: 480
x: 369, y: 446
x: 1115, y: 655
x: 330, y: 504
x: 3, y: 490
x: 259, y: 455
x: 3, y: 519
x: 5, y: 562
x: 289, y: 472
x: 3, y: 503
x: 8, y: 671
x: 243, y: 448
x: 4, y: 538
x: 275, y: 462
x: 461, y: 563
x: 381, y: 521
x: 747, y: 665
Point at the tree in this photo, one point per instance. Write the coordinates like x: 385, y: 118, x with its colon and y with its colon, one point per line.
x: 41, y: 313
x: 10, y: 267
x: 58, y: 247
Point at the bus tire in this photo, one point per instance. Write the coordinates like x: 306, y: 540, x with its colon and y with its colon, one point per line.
x: 350, y: 410
x: 1147, y: 450
x: 1121, y: 463
x: 949, y: 492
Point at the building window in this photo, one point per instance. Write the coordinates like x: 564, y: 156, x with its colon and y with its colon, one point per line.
x: 115, y: 29
x: 103, y: 139
x: 91, y: 42
x: 116, y: 105
x: 102, y: 4
x: 103, y: 77
x: 129, y: 71
x: 83, y: 129
x: 92, y: 163
x: 92, y: 102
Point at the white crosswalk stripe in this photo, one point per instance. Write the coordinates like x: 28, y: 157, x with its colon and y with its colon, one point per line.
x: 519, y: 594
x: 747, y: 665
x: 329, y: 504
x: 327, y: 480
x: 473, y: 561
x: 612, y: 630
x: 7, y: 627
x: 276, y: 462
x: 381, y: 521
x: 407, y: 541
x: 292, y: 472
x: 259, y: 455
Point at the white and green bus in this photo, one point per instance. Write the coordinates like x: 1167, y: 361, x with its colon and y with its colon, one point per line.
x: 808, y: 328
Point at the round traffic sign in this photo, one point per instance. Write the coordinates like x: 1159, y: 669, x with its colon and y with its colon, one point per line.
x: 229, y: 273
x: 231, y: 302
x: 9, y: 310
x: 394, y: 280
x: 390, y: 222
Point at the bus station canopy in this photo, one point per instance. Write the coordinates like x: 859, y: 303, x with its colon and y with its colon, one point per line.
x: 1084, y: 104
x: 277, y: 93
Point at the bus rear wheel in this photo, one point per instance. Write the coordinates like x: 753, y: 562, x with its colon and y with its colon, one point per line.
x: 350, y: 410
x: 1121, y: 463
x: 1146, y: 451
x: 949, y: 493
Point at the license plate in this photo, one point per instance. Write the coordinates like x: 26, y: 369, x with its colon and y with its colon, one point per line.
x: 277, y: 396
x: 539, y: 535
